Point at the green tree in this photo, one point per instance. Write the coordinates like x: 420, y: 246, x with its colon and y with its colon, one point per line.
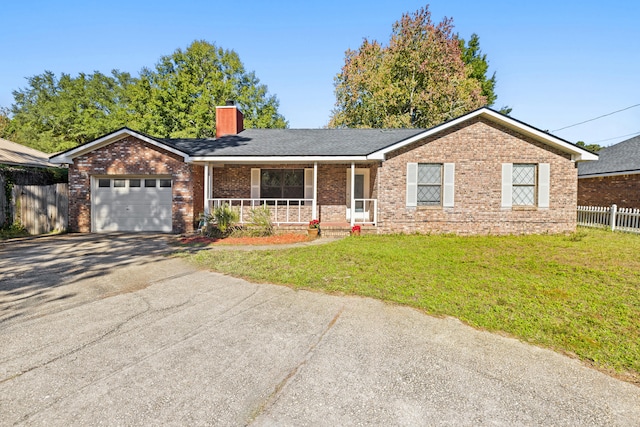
x: 419, y: 80
x: 5, y: 120
x: 479, y: 66
x: 54, y: 114
x: 474, y: 58
x: 591, y: 147
x: 177, y: 99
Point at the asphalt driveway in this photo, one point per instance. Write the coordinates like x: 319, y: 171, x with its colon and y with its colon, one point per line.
x: 111, y: 330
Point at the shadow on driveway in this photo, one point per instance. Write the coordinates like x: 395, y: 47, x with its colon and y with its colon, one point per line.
x: 45, y: 269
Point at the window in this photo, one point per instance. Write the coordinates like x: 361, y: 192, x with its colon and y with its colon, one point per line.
x: 429, y: 184
x: 165, y: 183
x: 523, y: 185
x: 104, y: 182
x: 149, y: 182
x: 526, y: 184
x: 134, y: 183
x: 282, y: 183
x: 119, y: 183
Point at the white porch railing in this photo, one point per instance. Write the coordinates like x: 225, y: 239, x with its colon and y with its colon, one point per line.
x: 283, y: 211
x: 366, y: 211
x: 621, y: 219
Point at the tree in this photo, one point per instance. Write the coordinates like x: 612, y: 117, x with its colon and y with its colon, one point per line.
x: 178, y: 98
x: 4, y: 123
x: 591, y: 147
x: 419, y: 80
x: 477, y: 61
x: 54, y: 114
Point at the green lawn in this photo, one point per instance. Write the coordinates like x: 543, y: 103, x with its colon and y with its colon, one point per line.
x: 579, y: 294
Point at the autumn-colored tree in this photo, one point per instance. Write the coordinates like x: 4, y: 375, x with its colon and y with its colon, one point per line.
x: 419, y: 80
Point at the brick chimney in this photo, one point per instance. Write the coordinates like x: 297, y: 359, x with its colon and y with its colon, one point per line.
x: 229, y: 120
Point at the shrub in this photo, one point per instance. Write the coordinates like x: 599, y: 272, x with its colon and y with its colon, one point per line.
x: 225, y: 217
x: 221, y: 222
x: 260, y: 222
x: 14, y: 230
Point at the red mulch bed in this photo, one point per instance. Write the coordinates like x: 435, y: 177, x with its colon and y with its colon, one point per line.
x: 278, y: 239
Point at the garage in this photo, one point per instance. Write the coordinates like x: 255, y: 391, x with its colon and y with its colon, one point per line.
x: 131, y: 203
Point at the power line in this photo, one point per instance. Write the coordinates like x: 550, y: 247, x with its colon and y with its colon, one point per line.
x: 596, y: 118
x: 616, y: 137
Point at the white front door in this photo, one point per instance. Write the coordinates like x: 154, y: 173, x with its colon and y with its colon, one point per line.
x: 360, y: 191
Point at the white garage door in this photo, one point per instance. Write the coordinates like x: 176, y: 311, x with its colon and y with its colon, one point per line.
x: 131, y: 204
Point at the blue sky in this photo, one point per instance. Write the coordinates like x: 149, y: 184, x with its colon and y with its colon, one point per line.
x: 557, y: 62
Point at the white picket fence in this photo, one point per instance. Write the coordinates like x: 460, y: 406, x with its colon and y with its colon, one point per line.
x: 614, y: 218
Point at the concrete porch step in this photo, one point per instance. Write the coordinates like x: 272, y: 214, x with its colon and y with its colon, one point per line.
x: 328, y: 229
x: 343, y: 229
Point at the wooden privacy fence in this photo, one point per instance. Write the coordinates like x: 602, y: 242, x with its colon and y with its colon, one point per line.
x: 621, y: 219
x: 39, y: 209
x: 3, y: 202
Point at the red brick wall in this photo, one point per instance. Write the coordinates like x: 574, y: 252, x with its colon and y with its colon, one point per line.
x: 621, y: 190
x: 233, y: 182
x: 478, y: 148
x: 131, y: 156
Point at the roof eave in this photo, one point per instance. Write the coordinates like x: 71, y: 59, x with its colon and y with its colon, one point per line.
x: 68, y: 156
x: 277, y: 159
x: 577, y: 154
x: 44, y: 164
x: 615, y: 173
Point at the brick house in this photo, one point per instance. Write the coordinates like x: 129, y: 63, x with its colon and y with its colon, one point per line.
x: 481, y: 173
x: 614, y: 178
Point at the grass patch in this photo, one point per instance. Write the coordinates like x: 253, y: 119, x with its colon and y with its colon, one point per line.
x: 579, y: 294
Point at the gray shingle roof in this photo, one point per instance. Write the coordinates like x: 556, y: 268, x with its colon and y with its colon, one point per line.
x: 294, y: 142
x: 621, y: 157
x: 12, y: 153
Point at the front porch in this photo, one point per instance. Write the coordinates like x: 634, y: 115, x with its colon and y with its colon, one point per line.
x: 298, y: 211
x: 296, y: 193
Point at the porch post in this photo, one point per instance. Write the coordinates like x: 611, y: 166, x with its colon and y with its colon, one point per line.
x: 315, y: 190
x: 207, y: 187
x: 352, y: 208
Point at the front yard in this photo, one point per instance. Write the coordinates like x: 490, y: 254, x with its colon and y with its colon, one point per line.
x: 578, y: 294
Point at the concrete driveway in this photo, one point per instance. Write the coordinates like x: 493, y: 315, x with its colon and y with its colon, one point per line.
x: 109, y: 330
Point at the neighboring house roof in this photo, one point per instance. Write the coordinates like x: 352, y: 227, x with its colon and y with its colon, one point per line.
x: 296, y: 145
x: 619, y: 159
x: 15, y: 154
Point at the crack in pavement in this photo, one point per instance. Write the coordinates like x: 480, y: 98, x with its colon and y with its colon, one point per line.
x: 95, y: 340
x: 277, y: 392
x: 190, y: 335
x: 112, y: 330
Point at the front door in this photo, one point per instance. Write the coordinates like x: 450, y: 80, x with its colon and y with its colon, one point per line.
x: 360, y: 191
